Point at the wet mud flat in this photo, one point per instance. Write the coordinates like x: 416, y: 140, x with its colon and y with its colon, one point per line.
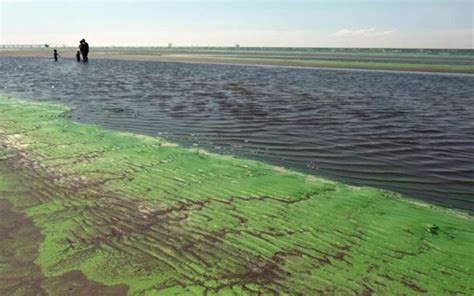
x: 19, y: 243
x: 141, y: 212
x: 445, y: 61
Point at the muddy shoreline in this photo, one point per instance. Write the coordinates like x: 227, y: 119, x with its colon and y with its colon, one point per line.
x: 346, y: 61
x: 20, y: 240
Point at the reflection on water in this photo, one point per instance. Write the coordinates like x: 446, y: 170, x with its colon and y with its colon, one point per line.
x: 408, y: 132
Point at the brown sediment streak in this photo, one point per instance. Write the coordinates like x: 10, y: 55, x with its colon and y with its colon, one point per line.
x: 19, y: 275
x: 19, y: 241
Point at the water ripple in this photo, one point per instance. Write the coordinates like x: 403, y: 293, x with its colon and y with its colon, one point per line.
x: 408, y: 132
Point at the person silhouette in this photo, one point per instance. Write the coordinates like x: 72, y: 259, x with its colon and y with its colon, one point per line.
x: 84, y: 49
x: 78, y: 56
x: 81, y: 48
x: 56, y: 55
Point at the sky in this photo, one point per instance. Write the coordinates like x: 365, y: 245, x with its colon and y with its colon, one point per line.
x: 285, y: 23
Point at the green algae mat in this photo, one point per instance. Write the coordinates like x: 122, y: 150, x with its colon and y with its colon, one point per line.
x: 86, y: 211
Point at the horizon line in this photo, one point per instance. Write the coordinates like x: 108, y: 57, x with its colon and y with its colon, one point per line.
x: 235, y: 46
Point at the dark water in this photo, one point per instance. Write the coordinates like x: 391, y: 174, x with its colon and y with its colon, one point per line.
x: 408, y: 132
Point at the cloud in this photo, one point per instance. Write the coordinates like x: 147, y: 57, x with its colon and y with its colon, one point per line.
x: 363, y: 33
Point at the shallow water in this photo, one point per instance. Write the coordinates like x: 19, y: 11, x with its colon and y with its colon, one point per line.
x: 408, y: 132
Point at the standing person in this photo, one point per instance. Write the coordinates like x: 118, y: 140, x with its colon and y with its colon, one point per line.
x: 81, y: 46
x: 56, y: 55
x: 84, y: 50
x: 78, y: 56
x: 81, y: 49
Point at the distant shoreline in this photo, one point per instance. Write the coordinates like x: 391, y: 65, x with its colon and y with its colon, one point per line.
x: 364, y: 61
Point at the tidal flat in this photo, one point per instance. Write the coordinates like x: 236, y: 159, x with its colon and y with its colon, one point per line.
x: 422, y: 60
x: 136, y: 214
x: 409, y: 133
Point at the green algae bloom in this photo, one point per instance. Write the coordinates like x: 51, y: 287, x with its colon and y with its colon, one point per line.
x: 139, y: 215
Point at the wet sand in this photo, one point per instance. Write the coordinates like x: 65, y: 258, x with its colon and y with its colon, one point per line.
x: 19, y: 275
x: 442, y: 64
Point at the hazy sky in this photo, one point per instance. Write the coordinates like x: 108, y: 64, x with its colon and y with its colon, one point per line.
x: 323, y: 23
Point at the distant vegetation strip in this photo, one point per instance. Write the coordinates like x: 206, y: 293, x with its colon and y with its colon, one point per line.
x: 447, y: 61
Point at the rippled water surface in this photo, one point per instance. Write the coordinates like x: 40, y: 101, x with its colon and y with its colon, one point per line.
x: 408, y: 132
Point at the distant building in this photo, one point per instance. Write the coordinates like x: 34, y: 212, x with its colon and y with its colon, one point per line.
x: 24, y: 45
